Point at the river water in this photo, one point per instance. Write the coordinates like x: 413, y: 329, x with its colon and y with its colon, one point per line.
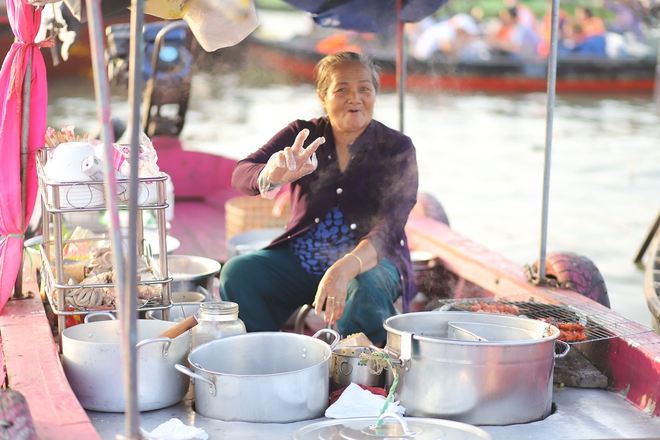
x: 480, y: 155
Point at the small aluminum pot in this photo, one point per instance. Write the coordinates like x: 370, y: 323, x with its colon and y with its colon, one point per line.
x: 345, y: 368
x: 92, y: 361
x: 178, y: 312
x: 496, y: 370
x: 264, y: 377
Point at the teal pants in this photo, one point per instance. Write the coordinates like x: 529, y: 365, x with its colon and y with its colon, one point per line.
x: 269, y: 285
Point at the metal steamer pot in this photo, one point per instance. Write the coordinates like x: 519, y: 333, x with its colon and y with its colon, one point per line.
x: 264, y: 377
x: 476, y: 368
x: 93, y: 365
x: 345, y: 368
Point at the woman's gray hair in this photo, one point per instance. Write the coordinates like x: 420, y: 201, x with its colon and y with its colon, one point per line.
x: 325, y: 67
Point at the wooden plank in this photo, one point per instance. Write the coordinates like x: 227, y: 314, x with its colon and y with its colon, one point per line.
x: 200, y: 226
x: 34, y: 370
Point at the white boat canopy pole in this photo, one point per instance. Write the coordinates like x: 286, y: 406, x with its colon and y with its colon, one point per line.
x: 552, y: 80
x: 401, y: 64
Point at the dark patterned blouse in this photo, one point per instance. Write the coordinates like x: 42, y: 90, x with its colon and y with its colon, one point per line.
x: 319, y: 247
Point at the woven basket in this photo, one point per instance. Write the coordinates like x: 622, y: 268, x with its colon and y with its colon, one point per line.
x: 246, y: 213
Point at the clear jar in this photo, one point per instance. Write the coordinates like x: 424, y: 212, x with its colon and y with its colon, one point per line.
x: 217, y: 319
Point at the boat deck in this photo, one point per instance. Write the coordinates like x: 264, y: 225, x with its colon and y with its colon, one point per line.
x: 580, y: 414
x: 631, y: 362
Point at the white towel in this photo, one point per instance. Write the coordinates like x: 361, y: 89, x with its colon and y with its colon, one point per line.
x: 356, y: 402
x: 174, y: 429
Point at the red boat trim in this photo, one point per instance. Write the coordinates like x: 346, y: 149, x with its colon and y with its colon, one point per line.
x: 33, y: 369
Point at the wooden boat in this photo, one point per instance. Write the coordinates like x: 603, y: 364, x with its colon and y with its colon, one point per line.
x: 652, y: 280
x: 626, y: 353
x: 499, y: 74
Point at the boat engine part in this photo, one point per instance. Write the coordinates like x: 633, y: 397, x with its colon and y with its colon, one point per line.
x: 485, y: 380
x: 262, y: 377
x: 167, y: 72
x: 92, y: 361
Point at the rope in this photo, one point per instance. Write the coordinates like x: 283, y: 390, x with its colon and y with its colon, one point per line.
x: 377, y: 361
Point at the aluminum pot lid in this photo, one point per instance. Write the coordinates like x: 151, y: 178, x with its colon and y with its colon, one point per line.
x: 393, y: 427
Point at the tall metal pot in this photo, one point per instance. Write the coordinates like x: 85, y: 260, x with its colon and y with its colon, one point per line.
x: 93, y: 365
x: 265, y: 377
x: 481, y: 380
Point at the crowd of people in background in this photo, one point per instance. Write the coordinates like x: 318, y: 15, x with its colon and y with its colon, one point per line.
x: 519, y: 32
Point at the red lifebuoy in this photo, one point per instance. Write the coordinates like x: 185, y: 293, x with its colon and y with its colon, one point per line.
x: 577, y: 273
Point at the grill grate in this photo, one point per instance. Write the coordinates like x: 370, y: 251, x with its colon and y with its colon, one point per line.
x: 598, y: 324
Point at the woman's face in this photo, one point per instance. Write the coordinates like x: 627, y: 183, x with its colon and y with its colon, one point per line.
x: 350, y: 98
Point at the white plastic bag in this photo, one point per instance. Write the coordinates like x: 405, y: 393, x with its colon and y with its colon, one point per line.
x: 221, y: 23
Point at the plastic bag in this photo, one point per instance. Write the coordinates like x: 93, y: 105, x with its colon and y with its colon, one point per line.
x: 221, y: 23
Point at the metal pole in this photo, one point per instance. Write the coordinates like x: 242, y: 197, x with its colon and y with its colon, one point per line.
x: 25, y: 148
x: 136, y: 59
x: 656, y: 84
x: 400, y: 65
x: 125, y: 283
x: 552, y: 80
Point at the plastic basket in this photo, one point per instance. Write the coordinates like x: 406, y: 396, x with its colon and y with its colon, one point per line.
x: 247, y: 213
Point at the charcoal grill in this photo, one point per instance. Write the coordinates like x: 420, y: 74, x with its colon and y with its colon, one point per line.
x: 598, y: 324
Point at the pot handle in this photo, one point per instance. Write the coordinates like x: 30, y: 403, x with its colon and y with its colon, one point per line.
x: 406, y: 349
x: 167, y: 342
x: 91, y: 315
x: 567, y: 348
x: 331, y: 332
x: 180, y: 328
x: 195, y: 376
x: 396, y: 416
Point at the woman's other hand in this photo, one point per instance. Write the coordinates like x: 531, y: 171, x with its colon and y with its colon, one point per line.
x: 333, y: 289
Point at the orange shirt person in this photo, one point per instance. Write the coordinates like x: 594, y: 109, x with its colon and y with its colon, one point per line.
x: 590, y: 24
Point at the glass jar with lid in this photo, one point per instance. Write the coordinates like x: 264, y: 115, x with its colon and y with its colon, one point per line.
x: 217, y: 319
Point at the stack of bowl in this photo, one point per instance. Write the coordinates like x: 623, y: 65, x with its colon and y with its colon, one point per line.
x: 66, y: 167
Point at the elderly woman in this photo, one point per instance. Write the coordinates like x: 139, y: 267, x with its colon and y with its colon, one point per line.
x: 353, y: 182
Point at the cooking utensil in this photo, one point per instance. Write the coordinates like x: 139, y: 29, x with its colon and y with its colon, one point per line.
x: 180, y: 327
x: 345, y: 368
x: 190, y: 271
x: 178, y: 312
x: 492, y: 382
x: 264, y: 377
x: 92, y: 361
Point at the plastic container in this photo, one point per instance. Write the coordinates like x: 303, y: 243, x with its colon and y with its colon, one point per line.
x: 217, y: 319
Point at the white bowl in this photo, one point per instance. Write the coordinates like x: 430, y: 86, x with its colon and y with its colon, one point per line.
x: 66, y: 163
x: 251, y: 241
x: 78, y: 196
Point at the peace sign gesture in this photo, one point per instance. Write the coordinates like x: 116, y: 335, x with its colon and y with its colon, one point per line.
x: 293, y: 162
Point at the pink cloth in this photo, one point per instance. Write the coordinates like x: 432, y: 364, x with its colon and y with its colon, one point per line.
x: 25, y: 21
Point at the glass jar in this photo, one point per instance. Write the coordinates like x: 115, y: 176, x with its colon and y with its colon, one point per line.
x: 217, y: 319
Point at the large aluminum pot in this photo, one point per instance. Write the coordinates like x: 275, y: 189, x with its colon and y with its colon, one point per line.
x: 93, y: 365
x: 488, y: 373
x: 266, y: 377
